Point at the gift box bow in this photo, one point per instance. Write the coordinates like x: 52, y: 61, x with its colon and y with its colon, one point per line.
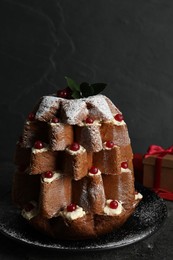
x: 160, y: 152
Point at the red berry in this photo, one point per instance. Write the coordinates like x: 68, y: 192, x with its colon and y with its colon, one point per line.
x: 89, y: 120
x: 74, y: 147
x: 31, y: 116
x: 48, y: 174
x: 61, y: 93
x: 113, y: 204
x: 93, y: 170
x: 124, y: 165
x: 110, y: 144
x: 29, y: 207
x: 64, y: 93
x: 71, y: 207
x: 38, y: 145
x: 119, y: 117
x: 55, y: 120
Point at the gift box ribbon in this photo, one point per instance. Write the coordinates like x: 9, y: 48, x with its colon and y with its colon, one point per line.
x: 160, y: 152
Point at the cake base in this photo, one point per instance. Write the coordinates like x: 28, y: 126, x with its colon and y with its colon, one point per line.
x: 147, y: 219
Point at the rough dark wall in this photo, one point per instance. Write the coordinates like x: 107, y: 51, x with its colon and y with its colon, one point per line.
x: 127, y: 44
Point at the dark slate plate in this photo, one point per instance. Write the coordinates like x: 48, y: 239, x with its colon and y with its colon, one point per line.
x: 147, y: 219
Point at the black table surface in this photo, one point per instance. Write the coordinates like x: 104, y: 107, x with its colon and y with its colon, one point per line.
x: 157, y: 246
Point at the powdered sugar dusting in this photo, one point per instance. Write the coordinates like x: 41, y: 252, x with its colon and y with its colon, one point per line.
x: 47, y: 103
x: 112, y: 107
x: 99, y: 107
x: 75, y: 111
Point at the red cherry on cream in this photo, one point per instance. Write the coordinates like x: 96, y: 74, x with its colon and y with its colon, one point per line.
x: 124, y: 165
x: 71, y: 207
x: 38, y: 145
x: 119, y: 117
x: 89, y: 120
x: 109, y: 144
x: 113, y: 204
x: 74, y: 147
x: 48, y: 174
x: 93, y: 170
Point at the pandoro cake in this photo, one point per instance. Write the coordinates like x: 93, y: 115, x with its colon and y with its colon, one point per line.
x: 74, y: 174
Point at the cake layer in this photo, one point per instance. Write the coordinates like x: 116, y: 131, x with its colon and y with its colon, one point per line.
x: 43, y: 160
x: 60, y: 136
x: 33, y: 131
x: 108, y: 161
x: 55, y: 194
x: 89, y: 137
x: 117, y: 133
x: 22, y: 155
x: 120, y: 187
x: 96, y: 194
x: 48, y: 108
x: 25, y: 188
x: 76, y: 163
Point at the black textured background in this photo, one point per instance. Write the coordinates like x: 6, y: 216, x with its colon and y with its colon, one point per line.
x: 127, y: 44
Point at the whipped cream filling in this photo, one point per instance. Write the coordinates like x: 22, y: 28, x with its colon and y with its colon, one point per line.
x: 95, y: 122
x: 138, y: 196
x: 81, y: 150
x: 115, y: 122
x: 28, y: 122
x: 125, y: 170
x: 32, y: 213
x: 56, y: 175
x: 112, y: 212
x: 78, y: 213
x: 54, y: 124
x: 118, y: 123
x: 94, y: 174
x: 44, y: 149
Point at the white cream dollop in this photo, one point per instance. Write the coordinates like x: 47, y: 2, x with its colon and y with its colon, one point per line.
x: 77, y: 213
x: 95, y: 122
x: 112, y: 212
x: 125, y: 170
x: 32, y: 213
x: 56, y: 175
x: 55, y: 124
x: 94, y: 174
x: 118, y: 123
x: 138, y: 196
x: 81, y: 150
x: 44, y: 149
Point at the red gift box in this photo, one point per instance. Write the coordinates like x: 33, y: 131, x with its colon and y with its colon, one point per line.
x: 138, y: 167
x: 158, y: 171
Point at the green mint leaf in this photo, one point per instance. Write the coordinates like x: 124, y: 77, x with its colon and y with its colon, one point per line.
x: 98, y: 87
x: 72, y: 84
x: 86, y: 89
x: 76, y: 94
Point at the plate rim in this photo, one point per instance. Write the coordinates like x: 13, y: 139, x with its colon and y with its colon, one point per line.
x: 107, y: 246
